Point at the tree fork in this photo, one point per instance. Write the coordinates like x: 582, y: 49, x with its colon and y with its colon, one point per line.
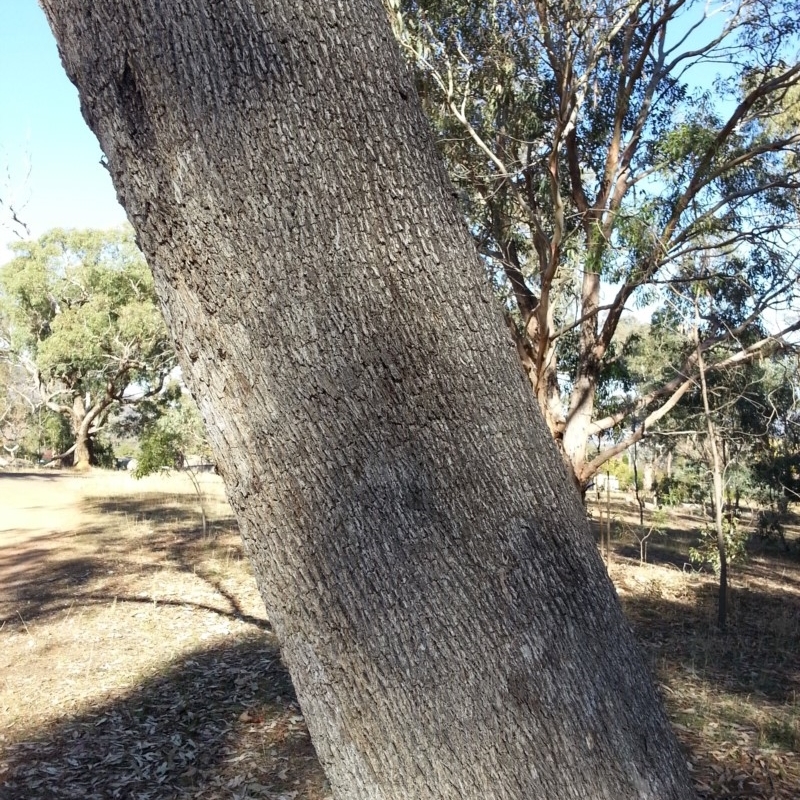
x: 423, y: 557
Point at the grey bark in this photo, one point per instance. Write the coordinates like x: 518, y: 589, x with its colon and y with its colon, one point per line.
x: 421, y: 551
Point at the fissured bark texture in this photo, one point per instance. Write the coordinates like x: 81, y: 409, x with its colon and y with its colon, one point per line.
x: 422, y: 554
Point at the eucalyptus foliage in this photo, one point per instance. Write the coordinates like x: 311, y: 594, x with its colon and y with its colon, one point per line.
x: 80, y: 314
x: 608, y: 155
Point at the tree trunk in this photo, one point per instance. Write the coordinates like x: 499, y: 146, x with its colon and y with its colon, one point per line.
x: 82, y: 455
x: 422, y: 554
x: 582, y: 400
x: 717, y: 489
x: 84, y: 424
x: 719, y: 526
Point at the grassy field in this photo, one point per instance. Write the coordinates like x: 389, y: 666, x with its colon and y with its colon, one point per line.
x: 136, y: 660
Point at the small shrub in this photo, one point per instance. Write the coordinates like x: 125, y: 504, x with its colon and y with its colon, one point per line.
x: 103, y: 454
x: 769, y: 522
x: 672, y: 491
x: 707, y: 551
x: 641, y: 533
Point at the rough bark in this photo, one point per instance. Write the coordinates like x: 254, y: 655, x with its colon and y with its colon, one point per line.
x: 422, y: 554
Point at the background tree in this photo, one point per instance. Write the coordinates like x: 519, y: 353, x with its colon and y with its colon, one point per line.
x: 593, y: 157
x: 17, y: 406
x: 728, y: 420
x: 81, y: 318
x: 422, y: 552
x: 717, y: 476
x: 775, y: 466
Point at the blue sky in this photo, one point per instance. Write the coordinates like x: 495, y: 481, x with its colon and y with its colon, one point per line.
x: 49, y: 159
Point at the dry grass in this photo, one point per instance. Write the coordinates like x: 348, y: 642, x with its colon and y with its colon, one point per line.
x: 136, y: 660
x: 733, y: 697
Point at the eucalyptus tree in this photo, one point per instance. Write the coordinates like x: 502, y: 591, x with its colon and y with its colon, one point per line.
x: 776, y: 466
x: 422, y: 553
x: 728, y: 420
x: 596, y: 146
x: 81, y: 318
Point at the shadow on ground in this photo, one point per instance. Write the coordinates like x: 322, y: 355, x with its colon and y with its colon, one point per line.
x: 733, y: 696
x: 142, y: 535
x: 221, y: 723
x: 758, y: 654
x: 37, y: 475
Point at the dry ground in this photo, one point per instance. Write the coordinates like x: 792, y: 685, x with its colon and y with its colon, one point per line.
x: 136, y: 660
x: 734, y: 697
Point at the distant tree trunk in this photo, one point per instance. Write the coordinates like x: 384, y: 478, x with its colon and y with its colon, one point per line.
x: 83, y: 452
x: 648, y: 479
x: 719, y: 526
x: 582, y: 400
x: 718, y: 497
x: 423, y: 556
x: 84, y: 422
x: 83, y: 455
x: 636, y: 492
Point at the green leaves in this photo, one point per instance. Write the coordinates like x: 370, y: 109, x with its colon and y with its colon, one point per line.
x: 687, y: 141
x: 172, y: 436
x: 79, y: 312
x: 81, y: 305
x: 649, y: 146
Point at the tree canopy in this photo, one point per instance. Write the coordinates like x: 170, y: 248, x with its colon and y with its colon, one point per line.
x: 606, y: 156
x: 79, y: 313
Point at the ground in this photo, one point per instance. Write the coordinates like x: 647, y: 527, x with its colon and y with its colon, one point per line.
x: 136, y: 660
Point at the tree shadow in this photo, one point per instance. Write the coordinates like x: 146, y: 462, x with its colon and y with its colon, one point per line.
x: 758, y: 654
x: 732, y: 695
x: 131, y: 535
x: 657, y: 553
x: 162, y: 510
x: 219, y: 722
x: 39, y: 475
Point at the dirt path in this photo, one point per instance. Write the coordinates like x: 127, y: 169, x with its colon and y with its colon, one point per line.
x: 136, y: 659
